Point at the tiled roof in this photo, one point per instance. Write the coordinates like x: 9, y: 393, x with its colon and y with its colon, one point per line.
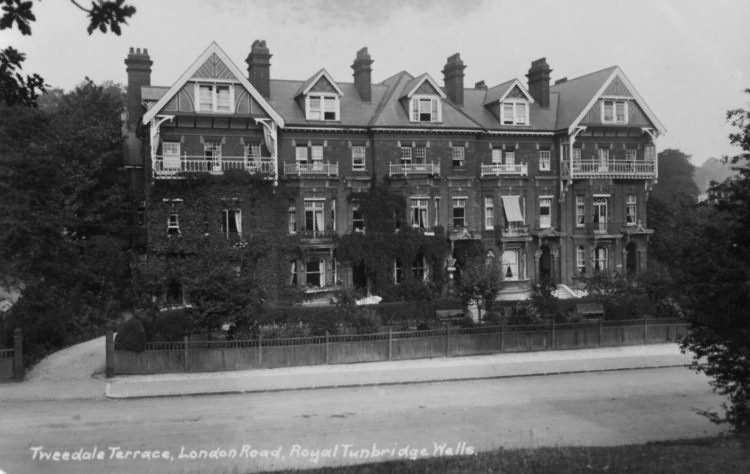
x: 393, y: 113
x: 540, y: 118
x: 314, y: 79
x: 575, y: 94
x: 388, y: 107
x: 354, y: 111
x: 496, y: 92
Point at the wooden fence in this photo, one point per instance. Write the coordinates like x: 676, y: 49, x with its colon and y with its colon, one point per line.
x: 207, y: 356
x: 11, y: 360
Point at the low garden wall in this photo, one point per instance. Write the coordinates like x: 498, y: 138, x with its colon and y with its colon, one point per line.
x: 206, y: 356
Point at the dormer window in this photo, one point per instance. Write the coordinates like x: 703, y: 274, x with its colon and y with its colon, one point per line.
x: 322, y: 106
x: 214, y: 98
x: 515, y: 112
x: 614, y: 111
x: 425, y: 109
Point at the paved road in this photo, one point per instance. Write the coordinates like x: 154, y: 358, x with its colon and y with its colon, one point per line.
x: 605, y: 408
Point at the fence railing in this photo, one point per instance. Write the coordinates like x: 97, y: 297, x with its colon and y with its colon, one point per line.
x: 165, y: 166
x: 11, y: 359
x: 206, y: 356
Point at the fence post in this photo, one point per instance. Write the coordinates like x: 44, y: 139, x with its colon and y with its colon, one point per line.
x: 326, y: 347
x: 260, y: 349
x: 446, y: 341
x: 390, y: 343
x: 599, y: 338
x: 554, y: 341
x: 502, y: 337
x: 185, y: 353
x: 645, y: 330
x: 18, y: 354
x: 109, y: 350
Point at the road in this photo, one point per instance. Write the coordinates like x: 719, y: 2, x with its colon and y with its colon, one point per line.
x: 310, y: 428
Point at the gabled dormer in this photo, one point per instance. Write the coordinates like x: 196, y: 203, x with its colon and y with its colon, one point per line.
x: 423, y: 99
x: 212, y: 84
x: 510, y: 103
x: 320, y: 97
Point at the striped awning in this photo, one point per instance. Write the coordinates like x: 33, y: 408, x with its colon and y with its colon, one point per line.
x: 512, y: 206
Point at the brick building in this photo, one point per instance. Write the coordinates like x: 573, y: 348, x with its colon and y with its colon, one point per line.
x: 552, y: 178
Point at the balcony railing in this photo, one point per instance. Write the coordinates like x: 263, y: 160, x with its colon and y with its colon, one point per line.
x: 633, y: 169
x: 316, y: 234
x: 515, y: 230
x: 499, y: 169
x: 405, y: 169
x: 171, y: 166
x: 311, y: 169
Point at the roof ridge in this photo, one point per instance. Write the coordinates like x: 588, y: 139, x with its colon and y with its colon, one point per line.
x: 567, y: 81
x: 388, y: 96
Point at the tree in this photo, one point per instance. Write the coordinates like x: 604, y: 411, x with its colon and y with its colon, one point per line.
x: 481, y: 281
x: 65, y: 206
x: 103, y: 15
x: 715, y: 280
x: 670, y: 204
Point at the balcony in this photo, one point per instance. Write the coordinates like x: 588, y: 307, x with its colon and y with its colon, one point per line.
x: 169, y: 167
x: 316, y: 234
x: 406, y: 169
x: 311, y: 169
x: 622, y: 169
x: 514, y: 230
x: 498, y: 169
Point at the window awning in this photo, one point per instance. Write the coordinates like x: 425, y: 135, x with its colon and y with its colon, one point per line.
x: 512, y: 206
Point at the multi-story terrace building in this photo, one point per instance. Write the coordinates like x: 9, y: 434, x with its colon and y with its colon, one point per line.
x: 553, y: 179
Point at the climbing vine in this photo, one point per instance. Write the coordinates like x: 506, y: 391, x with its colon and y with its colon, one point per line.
x: 387, y: 240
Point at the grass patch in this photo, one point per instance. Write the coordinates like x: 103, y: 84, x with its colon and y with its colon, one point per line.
x: 720, y: 455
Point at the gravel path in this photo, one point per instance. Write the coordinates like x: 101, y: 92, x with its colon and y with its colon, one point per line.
x: 78, y: 362
x: 73, y: 373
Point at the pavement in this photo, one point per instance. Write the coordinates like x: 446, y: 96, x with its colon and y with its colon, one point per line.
x: 398, y: 372
x: 76, y: 373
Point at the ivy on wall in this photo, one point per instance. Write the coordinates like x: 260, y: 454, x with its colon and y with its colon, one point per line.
x: 388, y: 238
x: 227, y: 277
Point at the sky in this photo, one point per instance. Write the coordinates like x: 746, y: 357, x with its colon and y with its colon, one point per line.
x: 688, y: 59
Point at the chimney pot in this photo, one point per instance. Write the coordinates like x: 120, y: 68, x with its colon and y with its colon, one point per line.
x: 453, y: 77
x: 138, y: 66
x: 480, y: 85
x: 363, y: 74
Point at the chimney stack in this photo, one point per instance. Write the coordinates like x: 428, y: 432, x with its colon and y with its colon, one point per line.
x: 363, y: 74
x: 480, y: 85
x: 259, y: 67
x: 538, y: 80
x: 138, y: 65
x: 453, y: 76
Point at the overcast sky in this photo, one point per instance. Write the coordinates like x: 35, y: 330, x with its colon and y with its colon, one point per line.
x: 690, y: 60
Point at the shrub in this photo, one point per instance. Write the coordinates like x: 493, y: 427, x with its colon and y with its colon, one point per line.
x: 171, y: 325
x: 131, y: 336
